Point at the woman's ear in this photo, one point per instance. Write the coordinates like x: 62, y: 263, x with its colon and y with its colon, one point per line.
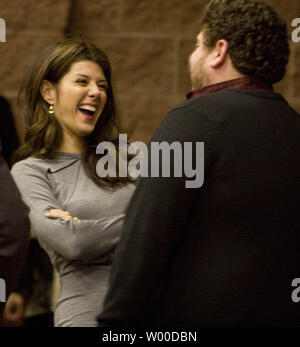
x: 47, y: 91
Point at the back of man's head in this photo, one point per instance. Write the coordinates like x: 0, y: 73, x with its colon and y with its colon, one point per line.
x: 257, y: 37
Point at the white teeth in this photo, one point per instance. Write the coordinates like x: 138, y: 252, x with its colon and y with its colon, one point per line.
x: 88, y: 108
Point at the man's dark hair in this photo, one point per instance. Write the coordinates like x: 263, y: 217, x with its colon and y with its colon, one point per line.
x: 257, y: 37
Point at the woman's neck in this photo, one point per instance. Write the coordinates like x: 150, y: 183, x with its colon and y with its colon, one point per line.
x: 71, y: 144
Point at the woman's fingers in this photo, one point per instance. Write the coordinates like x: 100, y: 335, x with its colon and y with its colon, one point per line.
x: 54, y: 216
x: 60, y: 211
x: 51, y: 215
x: 55, y: 213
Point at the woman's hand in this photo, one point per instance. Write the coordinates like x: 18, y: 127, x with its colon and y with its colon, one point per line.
x: 14, y: 309
x: 53, y: 214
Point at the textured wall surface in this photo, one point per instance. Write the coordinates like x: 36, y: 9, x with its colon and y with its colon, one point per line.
x: 147, y: 41
x: 30, y: 27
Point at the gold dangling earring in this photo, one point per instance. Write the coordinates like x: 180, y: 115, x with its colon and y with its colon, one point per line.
x: 51, y: 110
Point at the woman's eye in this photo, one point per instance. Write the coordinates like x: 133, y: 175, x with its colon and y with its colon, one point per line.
x: 103, y: 86
x: 81, y: 81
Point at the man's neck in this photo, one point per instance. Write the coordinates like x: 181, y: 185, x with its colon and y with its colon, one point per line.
x: 224, y: 77
x: 246, y: 83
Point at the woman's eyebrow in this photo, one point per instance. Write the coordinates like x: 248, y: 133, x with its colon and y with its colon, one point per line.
x: 81, y: 74
x: 86, y: 76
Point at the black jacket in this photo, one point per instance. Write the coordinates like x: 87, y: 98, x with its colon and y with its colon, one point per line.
x: 14, y: 231
x: 8, y: 134
x: 224, y: 254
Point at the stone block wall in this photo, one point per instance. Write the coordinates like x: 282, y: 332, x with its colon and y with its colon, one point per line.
x: 147, y: 41
x: 31, y: 26
x: 289, y: 87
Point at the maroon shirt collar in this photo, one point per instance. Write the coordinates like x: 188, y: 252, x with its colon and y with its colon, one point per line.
x: 247, y: 83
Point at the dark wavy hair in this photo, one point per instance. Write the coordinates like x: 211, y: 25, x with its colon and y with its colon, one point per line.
x: 43, y: 131
x: 257, y: 37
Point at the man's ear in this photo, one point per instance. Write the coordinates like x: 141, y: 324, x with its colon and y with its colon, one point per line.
x: 47, y: 91
x: 219, y: 54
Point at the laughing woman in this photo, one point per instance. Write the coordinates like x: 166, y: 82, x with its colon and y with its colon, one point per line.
x: 76, y: 214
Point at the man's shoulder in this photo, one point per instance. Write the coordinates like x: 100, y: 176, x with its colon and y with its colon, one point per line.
x: 215, y: 107
x: 205, y: 113
x: 204, y: 108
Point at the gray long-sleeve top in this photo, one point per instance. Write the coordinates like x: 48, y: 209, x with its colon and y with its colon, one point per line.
x: 78, y: 249
x: 61, y: 183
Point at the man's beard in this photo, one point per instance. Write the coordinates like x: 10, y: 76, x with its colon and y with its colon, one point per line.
x: 197, y: 81
x: 197, y: 74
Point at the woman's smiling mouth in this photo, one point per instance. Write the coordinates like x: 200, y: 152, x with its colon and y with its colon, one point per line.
x: 88, y: 111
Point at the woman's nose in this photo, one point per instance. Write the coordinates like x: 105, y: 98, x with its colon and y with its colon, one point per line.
x: 94, y: 89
